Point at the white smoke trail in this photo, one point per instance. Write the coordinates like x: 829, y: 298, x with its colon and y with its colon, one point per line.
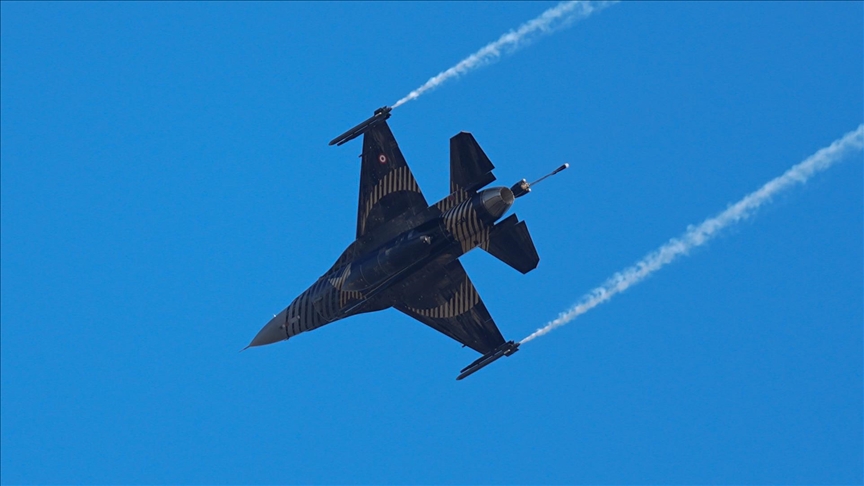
x: 698, y: 235
x: 558, y: 17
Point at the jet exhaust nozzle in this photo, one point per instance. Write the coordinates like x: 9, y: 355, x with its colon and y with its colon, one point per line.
x: 496, y: 201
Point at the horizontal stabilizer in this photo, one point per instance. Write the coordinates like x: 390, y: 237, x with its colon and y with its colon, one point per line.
x: 510, y: 242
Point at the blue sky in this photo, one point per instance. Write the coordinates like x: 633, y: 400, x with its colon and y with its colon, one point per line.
x: 167, y: 187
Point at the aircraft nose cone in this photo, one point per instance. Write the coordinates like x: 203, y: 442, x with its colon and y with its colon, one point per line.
x: 497, y: 201
x: 272, y: 332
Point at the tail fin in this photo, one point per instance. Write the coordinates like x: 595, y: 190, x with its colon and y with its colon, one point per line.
x: 510, y: 242
x: 470, y: 168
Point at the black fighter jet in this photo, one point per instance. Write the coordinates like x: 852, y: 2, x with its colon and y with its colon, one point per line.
x: 406, y: 254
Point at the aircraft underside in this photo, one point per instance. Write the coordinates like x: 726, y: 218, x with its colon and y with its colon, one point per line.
x: 406, y: 254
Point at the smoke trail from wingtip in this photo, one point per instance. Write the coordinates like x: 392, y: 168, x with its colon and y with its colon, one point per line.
x: 695, y: 236
x: 558, y: 17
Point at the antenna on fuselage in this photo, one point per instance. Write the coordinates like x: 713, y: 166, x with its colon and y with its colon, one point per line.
x: 524, y: 187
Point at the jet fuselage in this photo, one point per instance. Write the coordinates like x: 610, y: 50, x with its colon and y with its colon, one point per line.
x: 456, y: 225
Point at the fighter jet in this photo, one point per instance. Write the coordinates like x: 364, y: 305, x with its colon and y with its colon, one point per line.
x: 406, y: 253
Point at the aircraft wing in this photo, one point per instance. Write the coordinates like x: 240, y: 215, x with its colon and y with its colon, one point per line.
x: 388, y: 189
x: 443, y: 298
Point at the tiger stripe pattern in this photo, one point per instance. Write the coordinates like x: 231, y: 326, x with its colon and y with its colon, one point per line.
x: 465, y: 225
x: 399, y: 179
x: 319, y: 305
x: 456, y: 196
x: 463, y: 300
x: 345, y: 296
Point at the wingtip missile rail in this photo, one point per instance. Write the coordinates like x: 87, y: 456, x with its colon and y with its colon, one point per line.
x: 380, y: 115
x: 505, y: 349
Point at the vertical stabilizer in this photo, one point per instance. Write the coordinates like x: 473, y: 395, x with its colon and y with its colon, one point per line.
x: 470, y: 168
